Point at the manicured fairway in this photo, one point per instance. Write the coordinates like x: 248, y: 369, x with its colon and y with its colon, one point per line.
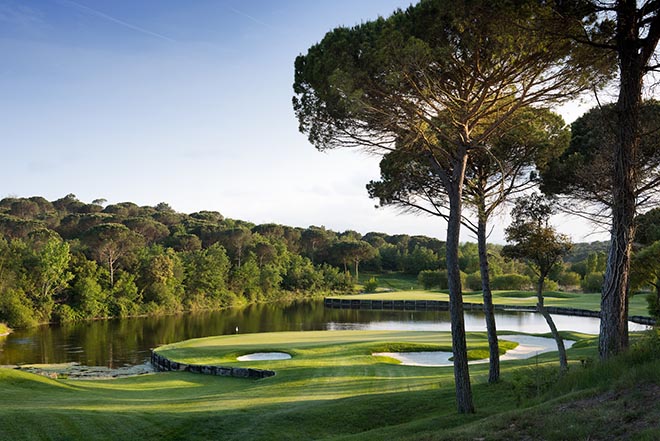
x: 591, y: 301
x: 330, y: 388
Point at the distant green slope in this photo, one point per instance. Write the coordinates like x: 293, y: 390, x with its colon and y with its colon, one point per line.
x: 591, y: 301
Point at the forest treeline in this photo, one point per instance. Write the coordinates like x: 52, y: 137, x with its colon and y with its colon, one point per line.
x: 68, y: 260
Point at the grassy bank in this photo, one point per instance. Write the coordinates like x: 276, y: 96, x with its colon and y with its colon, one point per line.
x: 4, y: 329
x: 590, y: 301
x: 392, y: 281
x: 331, y: 389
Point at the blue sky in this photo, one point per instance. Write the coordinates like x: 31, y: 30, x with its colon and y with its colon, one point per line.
x: 187, y: 103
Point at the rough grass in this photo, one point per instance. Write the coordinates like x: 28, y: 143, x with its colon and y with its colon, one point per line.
x: 617, y: 400
x: 332, y: 389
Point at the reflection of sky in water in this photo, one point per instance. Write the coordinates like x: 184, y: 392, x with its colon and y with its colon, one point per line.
x: 520, y: 322
x: 128, y: 341
x: 528, y: 347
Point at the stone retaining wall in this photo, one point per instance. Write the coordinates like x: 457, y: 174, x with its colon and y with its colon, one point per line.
x: 163, y: 364
x: 441, y: 305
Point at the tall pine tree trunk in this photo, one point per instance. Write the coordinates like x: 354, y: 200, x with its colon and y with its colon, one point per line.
x: 540, y: 306
x: 614, y: 300
x: 459, y: 343
x: 493, y: 345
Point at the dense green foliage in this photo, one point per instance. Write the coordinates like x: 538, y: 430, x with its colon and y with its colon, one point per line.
x: 583, y: 172
x: 436, y: 83
x: 533, y: 240
x: 67, y: 261
x: 645, y: 269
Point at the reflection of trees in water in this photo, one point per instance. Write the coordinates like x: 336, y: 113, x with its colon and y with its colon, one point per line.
x: 114, y: 343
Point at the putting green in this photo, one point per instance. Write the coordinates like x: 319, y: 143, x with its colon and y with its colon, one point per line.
x: 315, y: 348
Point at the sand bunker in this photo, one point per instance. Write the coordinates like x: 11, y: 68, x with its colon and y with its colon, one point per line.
x: 257, y: 356
x: 435, y: 358
x: 528, y: 346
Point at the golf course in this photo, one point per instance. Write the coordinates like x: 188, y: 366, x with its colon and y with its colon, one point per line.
x: 374, y: 220
x: 332, y: 387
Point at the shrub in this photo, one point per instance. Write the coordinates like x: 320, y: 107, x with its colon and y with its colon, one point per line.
x: 123, y: 307
x: 654, y: 305
x: 570, y: 278
x: 15, y: 310
x: 473, y: 281
x: 593, y: 282
x: 430, y: 279
x: 371, y: 285
x: 551, y: 285
x: 336, y: 280
x: 532, y: 382
x: 65, y: 314
x: 510, y: 281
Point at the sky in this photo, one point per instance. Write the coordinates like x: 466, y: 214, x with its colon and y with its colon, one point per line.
x: 187, y: 103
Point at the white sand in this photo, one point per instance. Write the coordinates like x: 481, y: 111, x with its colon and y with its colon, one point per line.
x: 528, y: 346
x: 258, y: 356
x: 435, y: 358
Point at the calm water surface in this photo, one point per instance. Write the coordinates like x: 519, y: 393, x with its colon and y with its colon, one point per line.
x: 120, y: 342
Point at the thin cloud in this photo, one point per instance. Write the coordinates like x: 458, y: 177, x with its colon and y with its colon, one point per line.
x: 19, y: 15
x: 117, y: 21
x: 248, y: 16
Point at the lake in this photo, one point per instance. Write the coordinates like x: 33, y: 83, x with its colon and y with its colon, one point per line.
x: 121, y: 342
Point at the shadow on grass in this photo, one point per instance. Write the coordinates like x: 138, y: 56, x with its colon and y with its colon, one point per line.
x: 296, y: 420
x: 387, y: 401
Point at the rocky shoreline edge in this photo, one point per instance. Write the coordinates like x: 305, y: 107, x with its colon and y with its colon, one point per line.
x: 76, y: 371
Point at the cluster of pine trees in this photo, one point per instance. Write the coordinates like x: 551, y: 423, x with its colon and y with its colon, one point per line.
x: 67, y: 260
